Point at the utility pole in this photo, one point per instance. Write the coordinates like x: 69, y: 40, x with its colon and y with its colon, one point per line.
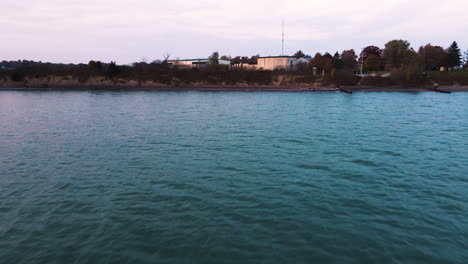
x: 363, y: 54
x: 282, y: 41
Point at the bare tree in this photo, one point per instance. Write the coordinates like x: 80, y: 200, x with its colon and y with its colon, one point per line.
x: 166, y: 55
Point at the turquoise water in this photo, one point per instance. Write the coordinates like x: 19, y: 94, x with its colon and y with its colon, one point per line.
x: 199, y: 177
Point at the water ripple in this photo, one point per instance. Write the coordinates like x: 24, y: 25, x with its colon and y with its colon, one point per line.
x: 144, y: 177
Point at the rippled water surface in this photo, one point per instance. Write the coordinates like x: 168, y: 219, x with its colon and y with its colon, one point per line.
x: 198, y: 177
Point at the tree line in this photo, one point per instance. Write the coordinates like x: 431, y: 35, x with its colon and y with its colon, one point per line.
x: 396, y: 55
x: 405, y: 65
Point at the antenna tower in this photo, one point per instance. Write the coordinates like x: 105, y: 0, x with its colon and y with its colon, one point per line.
x: 282, y: 41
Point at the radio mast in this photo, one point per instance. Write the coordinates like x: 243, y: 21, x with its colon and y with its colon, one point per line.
x: 282, y: 41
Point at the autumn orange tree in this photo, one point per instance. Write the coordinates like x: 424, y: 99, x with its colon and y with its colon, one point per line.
x: 321, y: 63
x: 372, y: 63
x: 371, y: 56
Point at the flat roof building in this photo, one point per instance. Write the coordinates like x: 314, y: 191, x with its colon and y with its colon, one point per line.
x: 276, y: 63
x: 195, y: 63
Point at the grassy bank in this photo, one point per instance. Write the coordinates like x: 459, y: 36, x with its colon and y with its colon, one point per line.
x: 143, y: 74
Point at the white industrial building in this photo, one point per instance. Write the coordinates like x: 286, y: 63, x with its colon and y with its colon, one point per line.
x: 276, y: 63
x: 195, y: 63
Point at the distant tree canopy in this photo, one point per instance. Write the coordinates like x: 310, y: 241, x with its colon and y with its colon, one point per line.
x: 370, y: 50
x: 225, y: 57
x: 112, y: 69
x: 19, y: 63
x: 454, y: 56
x: 372, y: 63
x: 374, y: 50
x: 321, y: 63
x: 337, y: 61
x: 328, y: 55
x: 371, y: 57
x: 397, y: 53
x: 432, y: 56
x: 214, y: 58
x: 254, y: 59
x: 238, y: 60
x: 94, y: 64
x: 299, y: 54
x: 349, y: 59
x: 95, y: 67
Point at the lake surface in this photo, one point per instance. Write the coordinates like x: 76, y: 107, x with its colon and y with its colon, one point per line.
x: 233, y: 177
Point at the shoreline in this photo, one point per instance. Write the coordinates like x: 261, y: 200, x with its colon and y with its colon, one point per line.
x: 241, y: 88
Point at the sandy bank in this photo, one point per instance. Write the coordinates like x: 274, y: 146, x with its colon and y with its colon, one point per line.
x: 55, y: 83
x: 213, y: 88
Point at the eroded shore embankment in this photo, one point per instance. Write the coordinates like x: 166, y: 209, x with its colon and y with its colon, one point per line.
x: 152, y: 86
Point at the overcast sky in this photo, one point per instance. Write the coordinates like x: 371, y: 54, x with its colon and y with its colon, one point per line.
x: 73, y: 31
